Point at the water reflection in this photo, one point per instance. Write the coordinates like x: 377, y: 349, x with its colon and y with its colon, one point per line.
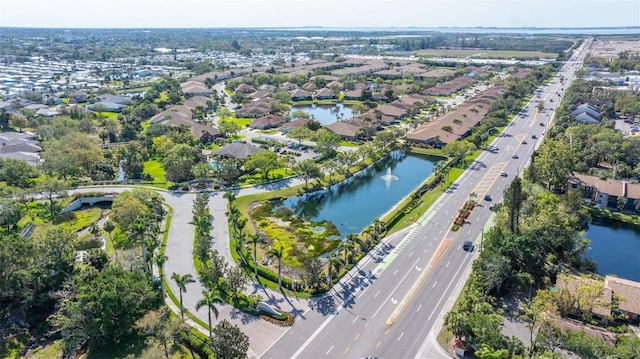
x: 354, y: 203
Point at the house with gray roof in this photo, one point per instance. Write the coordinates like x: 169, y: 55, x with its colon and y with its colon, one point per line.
x: 237, y: 150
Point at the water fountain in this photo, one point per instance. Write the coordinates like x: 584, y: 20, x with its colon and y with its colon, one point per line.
x: 388, y: 178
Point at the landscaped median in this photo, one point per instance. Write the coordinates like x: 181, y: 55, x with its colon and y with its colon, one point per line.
x: 463, y: 214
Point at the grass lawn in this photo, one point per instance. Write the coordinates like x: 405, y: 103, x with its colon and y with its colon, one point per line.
x: 242, y: 122
x: 348, y: 144
x: 110, y: 115
x: 156, y: 169
x: 256, y: 178
x: 163, y: 97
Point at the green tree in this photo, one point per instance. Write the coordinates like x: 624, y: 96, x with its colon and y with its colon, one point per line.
x: 237, y: 280
x: 163, y: 330
x: 312, y: 272
x: 72, y: 155
x: 17, y: 173
x: 131, y: 158
x: 10, y: 212
x: 229, y: 342
x: 181, y: 282
x: 278, y: 253
x: 327, y: 143
x: 299, y: 133
x: 307, y: 169
x: 263, y: 162
x: 334, y: 262
x: 228, y: 128
x: 514, y: 198
x: 179, y: 161
x: 210, y: 300
x: 103, y: 308
x: 51, y: 189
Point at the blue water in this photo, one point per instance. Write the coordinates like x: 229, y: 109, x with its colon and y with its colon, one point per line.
x: 325, y: 114
x: 615, y: 246
x: 356, y: 203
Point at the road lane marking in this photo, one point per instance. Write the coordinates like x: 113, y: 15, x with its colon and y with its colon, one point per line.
x: 410, y: 254
x: 354, y: 319
x: 367, y: 324
x: 447, y: 264
x: 394, y: 272
x: 400, y: 337
x: 357, y: 336
x: 378, y: 345
x: 420, y: 307
x: 327, y: 353
x: 394, y: 289
x: 387, y: 332
x: 446, y: 290
x: 378, y: 292
x: 434, y: 284
x: 346, y: 350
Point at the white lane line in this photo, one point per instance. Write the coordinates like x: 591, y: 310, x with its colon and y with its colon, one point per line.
x: 354, y: 319
x: 425, y: 251
x: 394, y: 273
x: 447, y: 264
x: 400, y: 337
x: 410, y: 254
x: 446, y: 290
x: 434, y: 284
x: 430, y: 244
x: 419, y: 308
x: 378, y: 292
x: 327, y: 353
x: 394, y: 289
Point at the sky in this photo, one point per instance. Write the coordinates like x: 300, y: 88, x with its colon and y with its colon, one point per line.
x: 326, y: 13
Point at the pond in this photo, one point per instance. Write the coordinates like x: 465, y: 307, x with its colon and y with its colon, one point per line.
x: 325, y: 114
x: 615, y: 247
x: 355, y: 203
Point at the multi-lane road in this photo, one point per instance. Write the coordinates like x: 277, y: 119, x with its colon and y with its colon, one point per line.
x: 389, y: 306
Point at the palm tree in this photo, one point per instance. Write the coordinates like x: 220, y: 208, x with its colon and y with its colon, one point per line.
x: 334, y: 260
x: 278, y: 253
x: 181, y: 282
x: 346, y: 247
x: 159, y: 260
x: 354, y: 240
x: 209, y: 300
x: 255, y: 239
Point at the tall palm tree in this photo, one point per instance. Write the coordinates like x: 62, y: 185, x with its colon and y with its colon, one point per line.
x: 255, y: 239
x: 355, y: 241
x: 346, y: 248
x: 334, y: 261
x: 278, y: 253
x: 159, y: 260
x: 209, y: 300
x: 181, y: 282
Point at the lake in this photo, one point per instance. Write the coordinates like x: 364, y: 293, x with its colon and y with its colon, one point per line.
x: 615, y: 246
x: 325, y: 114
x: 355, y: 203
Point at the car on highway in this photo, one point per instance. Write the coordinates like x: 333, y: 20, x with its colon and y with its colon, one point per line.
x: 534, y: 136
x: 524, y: 142
x: 467, y: 246
x: 504, y: 174
x: 515, y: 156
x: 487, y: 198
x: 541, y: 123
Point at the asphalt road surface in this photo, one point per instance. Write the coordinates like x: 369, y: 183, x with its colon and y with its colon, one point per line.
x: 387, y: 307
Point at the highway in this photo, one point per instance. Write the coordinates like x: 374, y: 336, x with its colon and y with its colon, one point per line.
x: 390, y: 304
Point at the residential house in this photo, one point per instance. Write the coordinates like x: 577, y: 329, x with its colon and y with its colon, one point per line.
x: 194, y: 88
x: 268, y: 121
x: 604, y: 193
x: 255, y: 108
x: 20, y: 146
x: 300, y: 95
x: 288, y: 86
x: 325, y: 94
x: 345, y: 130
x: 237, y: 150
x: 586, y: 113
x: 629, y: 291
x: 397, y: 113
x: 309, y: 86
x: 107, y: 106
x: 245, y: 88
x: 298, y: 122
x: 353, y: 95
x: 335, y: 84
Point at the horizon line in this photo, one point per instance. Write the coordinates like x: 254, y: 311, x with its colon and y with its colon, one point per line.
x: 330, y: 27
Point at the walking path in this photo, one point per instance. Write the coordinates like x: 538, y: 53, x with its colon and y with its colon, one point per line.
x: 179, y: 251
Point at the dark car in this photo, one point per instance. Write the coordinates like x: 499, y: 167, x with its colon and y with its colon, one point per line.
x: 524, y: 142
x: 467, y: 246
x: 534, y: 136
x: 487, y: 198
x: 515, y: 157
x: 503, y: 174
x: 541, y: 123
